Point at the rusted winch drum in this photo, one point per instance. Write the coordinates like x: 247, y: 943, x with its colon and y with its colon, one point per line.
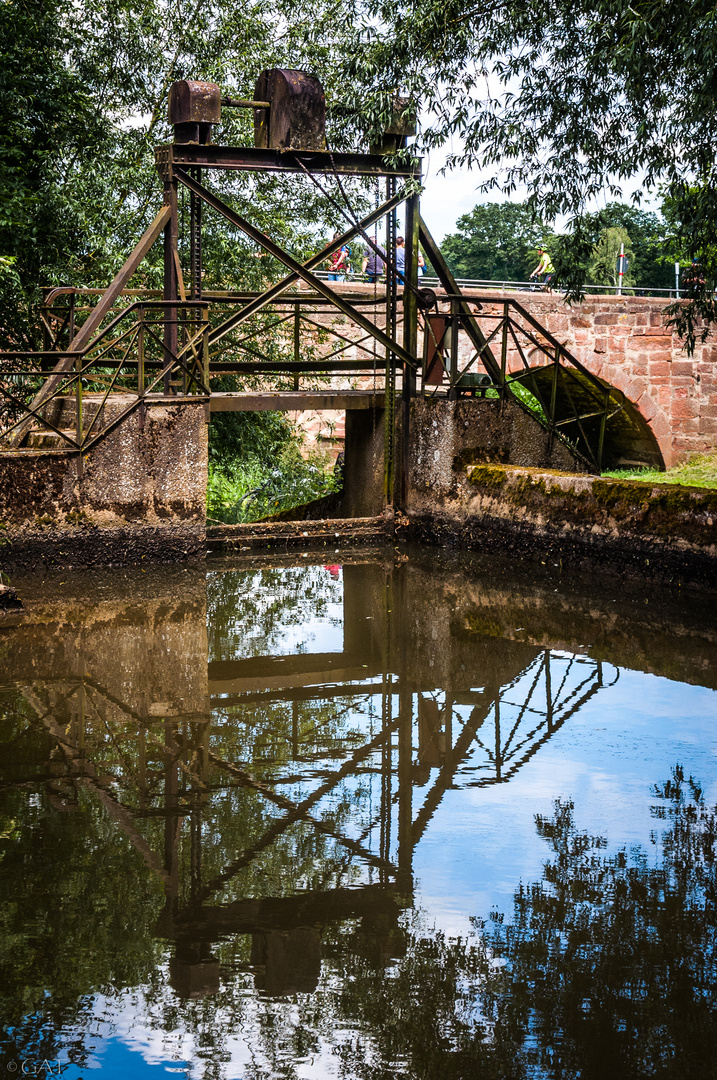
x: 296, y: 117
x: 194, y: 107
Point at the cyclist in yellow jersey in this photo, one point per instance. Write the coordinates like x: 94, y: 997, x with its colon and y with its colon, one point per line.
x: 545, y: 267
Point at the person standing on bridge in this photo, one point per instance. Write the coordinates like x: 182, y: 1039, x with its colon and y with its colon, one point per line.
x: 373, y: 264
x: 338, y: 263
x: 400, y: 259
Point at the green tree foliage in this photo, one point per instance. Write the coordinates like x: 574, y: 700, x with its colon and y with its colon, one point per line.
x: 83, y: 103
x: 568, y: 99
x: 603, y: 269
x: 653, y: 240
x: 495, y: 242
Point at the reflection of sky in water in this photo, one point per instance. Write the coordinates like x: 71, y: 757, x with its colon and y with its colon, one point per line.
x: 478, y: 845
x: 482, y: 842
x: 311, y: 603
x: 132, y: 1038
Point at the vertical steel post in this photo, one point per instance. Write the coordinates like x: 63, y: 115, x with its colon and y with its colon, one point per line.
x: 171, y: 232
x: 195, y: 239
x: 504, y: 350
x: 78, y: 412
x: 390, y: 377
x: 554, y: 395
x: 297, y: 341
x: 453, y: 357
x: 410, y: 336
x: 140, y: 352
x: 603, y: 424
x: 205, y: 346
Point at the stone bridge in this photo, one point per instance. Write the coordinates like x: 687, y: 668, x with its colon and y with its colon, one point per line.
x: 621, y: 339
x: 624, y: 340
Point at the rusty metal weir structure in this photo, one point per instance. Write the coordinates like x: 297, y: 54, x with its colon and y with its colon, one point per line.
x: 150, y: 347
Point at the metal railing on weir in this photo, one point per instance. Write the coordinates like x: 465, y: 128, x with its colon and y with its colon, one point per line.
x: 128, y: 356
x: 291, y: 338
x: 627, y: 292
x: 563, y: 395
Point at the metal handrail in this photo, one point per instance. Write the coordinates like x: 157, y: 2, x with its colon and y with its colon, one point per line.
x: 604, y: 402
x: 89, y: 364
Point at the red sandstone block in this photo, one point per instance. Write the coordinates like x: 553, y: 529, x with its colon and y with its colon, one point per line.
x: 647, y: 407
x: 579, y: 322
x: 708, y: 425
x: 661, y: 428
x: 683, y: 367
x: 684, y: 409
x: 665, y: 444
x: 657, y: 331
x: 659, y: 367
x: 654, y: 345
x: 635, y: 389
x: 606, y: 320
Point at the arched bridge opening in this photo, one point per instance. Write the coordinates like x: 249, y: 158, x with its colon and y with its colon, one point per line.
x: 629, y: 441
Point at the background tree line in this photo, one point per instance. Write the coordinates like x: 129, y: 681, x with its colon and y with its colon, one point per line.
x: 499, y: 241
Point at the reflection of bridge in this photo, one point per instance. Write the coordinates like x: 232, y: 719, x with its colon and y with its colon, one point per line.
x: 274, y: 794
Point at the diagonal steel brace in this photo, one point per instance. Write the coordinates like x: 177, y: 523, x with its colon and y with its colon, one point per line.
x: 282, y: 256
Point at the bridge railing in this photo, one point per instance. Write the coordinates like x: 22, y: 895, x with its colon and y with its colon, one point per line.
x: 178, y: 346
x: 566, y: 398
x: 294, y: 337
x: 150, y: 348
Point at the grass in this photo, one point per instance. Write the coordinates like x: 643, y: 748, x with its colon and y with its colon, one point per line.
x: 699, y: 471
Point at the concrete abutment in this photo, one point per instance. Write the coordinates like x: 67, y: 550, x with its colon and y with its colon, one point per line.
x: 139, y: 494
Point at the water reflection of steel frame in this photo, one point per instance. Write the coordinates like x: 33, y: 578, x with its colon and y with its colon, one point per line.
x: 141, y: 768
x: 165, y: 750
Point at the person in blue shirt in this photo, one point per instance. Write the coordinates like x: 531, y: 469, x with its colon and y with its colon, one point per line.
x: 400, y: 258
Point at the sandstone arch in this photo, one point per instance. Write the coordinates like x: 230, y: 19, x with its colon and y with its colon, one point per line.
x: 629, y: 440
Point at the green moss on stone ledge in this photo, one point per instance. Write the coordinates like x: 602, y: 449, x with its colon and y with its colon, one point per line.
x: 490, y: 476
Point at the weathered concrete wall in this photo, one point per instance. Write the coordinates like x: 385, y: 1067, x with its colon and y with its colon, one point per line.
x: 363, y: 463
x: 447, y: 436
x: 662, y: 531
x: 141, y: 494
x: 624, y: 340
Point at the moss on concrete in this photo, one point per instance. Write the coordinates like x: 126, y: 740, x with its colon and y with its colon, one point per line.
x: 490, y: 476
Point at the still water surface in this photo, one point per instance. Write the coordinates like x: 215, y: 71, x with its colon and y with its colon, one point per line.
x: 421, y: 818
